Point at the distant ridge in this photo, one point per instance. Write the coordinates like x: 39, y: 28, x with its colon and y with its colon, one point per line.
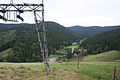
x: 91, y: 30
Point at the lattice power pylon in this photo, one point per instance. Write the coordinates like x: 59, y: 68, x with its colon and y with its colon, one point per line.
x: 11, y: 12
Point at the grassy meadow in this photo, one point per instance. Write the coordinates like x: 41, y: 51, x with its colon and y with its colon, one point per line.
x: 113, y: 55
x: 92, y: 67
x: 74, y: 46
x: 59, y: 71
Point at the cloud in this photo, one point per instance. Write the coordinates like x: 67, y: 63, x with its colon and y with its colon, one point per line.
x: 79, y: 12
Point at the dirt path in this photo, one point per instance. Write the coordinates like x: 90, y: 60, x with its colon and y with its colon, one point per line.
x: 52, y: 59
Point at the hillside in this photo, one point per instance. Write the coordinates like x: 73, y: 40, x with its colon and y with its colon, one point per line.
x: 103, y: 42
x: 6, y: 55
x: 106, y: 56
x: 23, y: 40
x: 54, y: 32
x: 91, y: 30
x: 9, y: 32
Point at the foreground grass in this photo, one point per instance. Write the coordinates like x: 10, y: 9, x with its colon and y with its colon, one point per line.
x: 59, y: 71
x: 33, y: 71
x: 93, y: 70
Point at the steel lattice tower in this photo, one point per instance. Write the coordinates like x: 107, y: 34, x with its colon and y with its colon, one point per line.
x: 16, y: 10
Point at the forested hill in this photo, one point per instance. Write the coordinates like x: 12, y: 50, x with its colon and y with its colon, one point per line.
x: 103, y: 42
x: 54, y: 31
x: 20, y: 43
x: 9, y: 26
x: 91, y: 30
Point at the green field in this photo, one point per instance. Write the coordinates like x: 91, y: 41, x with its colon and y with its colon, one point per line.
x: 59, y: 71
x: 113, y: 55
x: 93, y: 67
x: 75, y: 46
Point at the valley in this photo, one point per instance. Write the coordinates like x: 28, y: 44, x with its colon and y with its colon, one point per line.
x: 96, y: 48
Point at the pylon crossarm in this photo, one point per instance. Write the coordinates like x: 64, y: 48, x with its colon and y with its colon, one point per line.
x: 17, y: 9
x: 24, y: 7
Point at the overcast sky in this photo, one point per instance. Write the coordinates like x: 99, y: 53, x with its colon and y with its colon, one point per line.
x: 77, y: 12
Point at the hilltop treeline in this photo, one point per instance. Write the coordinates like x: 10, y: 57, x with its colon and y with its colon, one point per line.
x: 103, y: 42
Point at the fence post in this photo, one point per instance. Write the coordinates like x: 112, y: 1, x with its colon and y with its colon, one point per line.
x: 114, y: 77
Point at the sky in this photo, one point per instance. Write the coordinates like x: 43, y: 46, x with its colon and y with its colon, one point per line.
x: 77, y: 12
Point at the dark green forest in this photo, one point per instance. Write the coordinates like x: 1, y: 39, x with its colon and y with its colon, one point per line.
x: 106, y: 41
x: 19, y: 43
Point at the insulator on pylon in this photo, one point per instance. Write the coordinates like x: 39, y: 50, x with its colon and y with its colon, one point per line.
x: 2, y: 17
x: 3, y: 11
x: 18, y: 16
